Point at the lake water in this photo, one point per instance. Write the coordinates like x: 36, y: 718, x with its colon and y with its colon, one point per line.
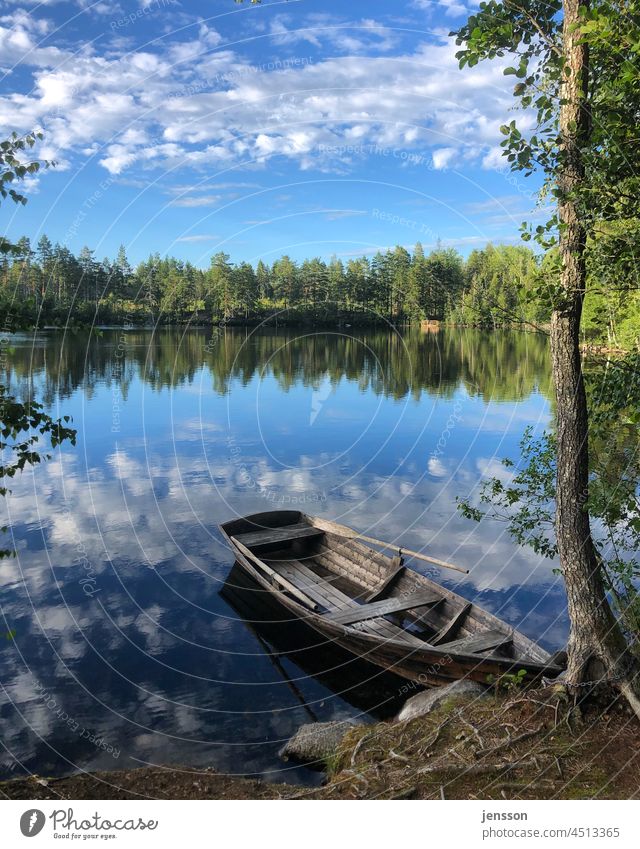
x: 121, y: 646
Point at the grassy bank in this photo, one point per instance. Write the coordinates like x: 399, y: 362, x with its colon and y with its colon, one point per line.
x: 529, y: 746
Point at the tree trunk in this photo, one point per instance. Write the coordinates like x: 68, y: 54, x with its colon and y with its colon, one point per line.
x: 597, y: 647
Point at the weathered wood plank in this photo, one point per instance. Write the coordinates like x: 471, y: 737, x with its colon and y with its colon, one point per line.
x: 318, y: 591
x: 374, y: 609
x: 379, y: 627
x: 481, y: 642
x: 338, y: 566
x: 318, y: 586
x: 330, y: 597
x: 275, y: 577
x: 367, y: 557
x: 274, y: 535
x: 452, y: 626
x: 379, y: 591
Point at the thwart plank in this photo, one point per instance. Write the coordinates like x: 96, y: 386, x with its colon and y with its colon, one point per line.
x: 323, y: 591
x: 381, y: 608
x: 286, y: 534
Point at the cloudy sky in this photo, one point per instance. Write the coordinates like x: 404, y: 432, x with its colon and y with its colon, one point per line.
x: 300, y: 127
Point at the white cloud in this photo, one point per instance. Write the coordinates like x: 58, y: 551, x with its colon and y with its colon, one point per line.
x: 338, y: 214
x: 181, y: 105
x: 322, y: 30
x: 19, y: 34
x: 21, y: 18
x: 436, y: 468
x: 452, y: 8
x: 448, y: 242
x: 442, y: 157
x: 494, y: 159
x: 199, y: 237
x: 202, y: 200
x: 206, y: 186
x: 282, y: 34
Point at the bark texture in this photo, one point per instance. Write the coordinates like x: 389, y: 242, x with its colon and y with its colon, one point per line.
x: 597, y: 647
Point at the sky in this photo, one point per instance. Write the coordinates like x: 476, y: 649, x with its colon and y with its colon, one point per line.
x: 303, y: 127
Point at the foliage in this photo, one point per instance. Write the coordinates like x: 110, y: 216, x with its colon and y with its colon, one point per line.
x: 498, y: 285
x: 51, y: 284
x: 13, y: 169
x: 524, y: 496
x: 21, y: 428
x: 22, y: 425
x: 508, y: 683
x: 525, y: 501
x: 607, y: 198
x: 576, y: 71
x: 612, y: 304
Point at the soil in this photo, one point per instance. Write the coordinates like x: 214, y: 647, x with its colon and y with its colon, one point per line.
x: 522, y: 745
x: 170, y: 782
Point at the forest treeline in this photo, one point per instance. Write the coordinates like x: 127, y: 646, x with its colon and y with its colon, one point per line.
x: 497, y: 286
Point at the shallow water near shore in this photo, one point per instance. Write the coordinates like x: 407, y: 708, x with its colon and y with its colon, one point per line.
x: 122, y: 646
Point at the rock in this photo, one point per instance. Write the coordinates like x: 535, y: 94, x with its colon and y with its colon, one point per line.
x: 315, y: 742
x: 430, y: 700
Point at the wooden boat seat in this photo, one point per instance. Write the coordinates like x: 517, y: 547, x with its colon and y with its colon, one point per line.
x: 489, y: 640
x: 373, y: 609
x: 287, y: 533
x: 324, y: 593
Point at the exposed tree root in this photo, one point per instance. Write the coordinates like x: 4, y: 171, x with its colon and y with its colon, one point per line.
x: 477, y: 769
x: 511, y: 741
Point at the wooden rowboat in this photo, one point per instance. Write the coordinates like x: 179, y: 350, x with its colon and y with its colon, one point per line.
x: 375, y: 606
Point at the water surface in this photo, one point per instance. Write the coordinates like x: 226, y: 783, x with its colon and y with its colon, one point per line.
x: 122, y: 647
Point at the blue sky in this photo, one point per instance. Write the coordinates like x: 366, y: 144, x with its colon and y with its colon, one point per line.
x: 301, y: 127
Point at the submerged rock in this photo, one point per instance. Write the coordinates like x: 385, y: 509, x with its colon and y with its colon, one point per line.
x: 430, y: 700
x: 315, y: 742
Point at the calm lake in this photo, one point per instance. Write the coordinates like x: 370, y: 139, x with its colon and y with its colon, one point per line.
x: 120, y: 645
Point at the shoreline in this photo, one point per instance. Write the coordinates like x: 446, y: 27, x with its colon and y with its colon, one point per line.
x: 532, y: 744
x: 590, y: 351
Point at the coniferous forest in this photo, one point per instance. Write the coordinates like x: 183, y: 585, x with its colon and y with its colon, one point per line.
x: 497, y: 286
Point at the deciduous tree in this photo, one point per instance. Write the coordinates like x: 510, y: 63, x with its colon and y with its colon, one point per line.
x: 575, y: 67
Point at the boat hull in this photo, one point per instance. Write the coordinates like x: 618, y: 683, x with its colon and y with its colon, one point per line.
x: 422, y: 664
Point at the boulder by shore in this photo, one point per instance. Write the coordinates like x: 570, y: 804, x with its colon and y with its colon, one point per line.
x: 315, y: 743
x: 429, y: 700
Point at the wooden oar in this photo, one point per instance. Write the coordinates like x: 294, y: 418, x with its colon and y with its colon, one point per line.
x: 349, y: 533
